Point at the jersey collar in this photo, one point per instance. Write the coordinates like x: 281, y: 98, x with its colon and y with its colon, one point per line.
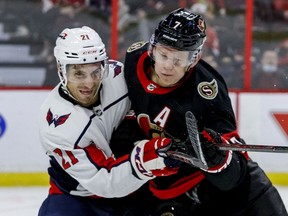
x: 149, y: 86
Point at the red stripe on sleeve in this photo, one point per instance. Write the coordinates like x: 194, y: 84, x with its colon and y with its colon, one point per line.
x: 98, y: 157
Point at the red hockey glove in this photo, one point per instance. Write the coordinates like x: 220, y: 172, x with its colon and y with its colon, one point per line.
x: 216, y: 159
x: 149, y: 159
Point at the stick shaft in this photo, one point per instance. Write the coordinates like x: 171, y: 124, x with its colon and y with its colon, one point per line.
x: 253, y: 148
x: 191, y: 123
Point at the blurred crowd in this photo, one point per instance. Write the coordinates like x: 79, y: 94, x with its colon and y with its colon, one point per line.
x: 38, y: 22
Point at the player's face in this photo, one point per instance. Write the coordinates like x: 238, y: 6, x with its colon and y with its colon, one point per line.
x: 84, y: 81
x: 170, y: 65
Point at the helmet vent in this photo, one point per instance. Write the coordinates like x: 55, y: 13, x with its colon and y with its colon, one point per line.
x: 71, y: 55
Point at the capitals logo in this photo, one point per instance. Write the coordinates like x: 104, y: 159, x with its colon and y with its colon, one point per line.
x: 116, y: 67
x: 63, y: 35
x: 57, y: 120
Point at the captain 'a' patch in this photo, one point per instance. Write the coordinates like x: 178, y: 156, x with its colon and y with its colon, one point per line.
x: 208, y: 90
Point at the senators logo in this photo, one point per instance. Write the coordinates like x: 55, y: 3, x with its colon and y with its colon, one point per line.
x: 208, y: 90
x: 201, y: 25
x: 57, y: 120
x: 151, y: 129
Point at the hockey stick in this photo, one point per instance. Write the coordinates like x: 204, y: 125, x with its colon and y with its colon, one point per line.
x: 198, y: 160
x: 192, y: 128
x: 191, y: 120
x: 253, y: 148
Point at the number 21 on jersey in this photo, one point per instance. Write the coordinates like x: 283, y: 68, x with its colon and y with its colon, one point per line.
x: 68, y: 158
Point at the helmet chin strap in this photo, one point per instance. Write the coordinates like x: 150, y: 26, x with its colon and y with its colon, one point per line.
x: 196, y: 59
x: 66, y: 91
x: 192, y: 65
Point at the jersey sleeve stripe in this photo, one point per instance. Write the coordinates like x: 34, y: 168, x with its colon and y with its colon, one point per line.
x: 99, y: 159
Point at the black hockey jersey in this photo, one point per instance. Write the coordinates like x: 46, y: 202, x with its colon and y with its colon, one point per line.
x: 160, y: 111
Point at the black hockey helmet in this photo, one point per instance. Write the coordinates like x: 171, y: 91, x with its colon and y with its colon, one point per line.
x: 182, y: 30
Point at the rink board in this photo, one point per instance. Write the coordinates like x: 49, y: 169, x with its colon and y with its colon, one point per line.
x: 22, y: 155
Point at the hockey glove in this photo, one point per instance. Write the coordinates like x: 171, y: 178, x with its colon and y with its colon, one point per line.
x: 216, y: 159
x: 149, y: 159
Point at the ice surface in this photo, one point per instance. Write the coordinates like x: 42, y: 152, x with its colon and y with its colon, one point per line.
x: 25, y: 201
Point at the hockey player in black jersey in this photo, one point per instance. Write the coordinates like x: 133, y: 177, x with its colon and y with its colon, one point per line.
x: 166, y: 77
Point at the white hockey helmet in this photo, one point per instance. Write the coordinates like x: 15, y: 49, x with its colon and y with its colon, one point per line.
x: 79, y: 46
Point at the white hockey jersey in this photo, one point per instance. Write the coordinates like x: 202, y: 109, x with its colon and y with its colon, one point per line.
x: 77, y: 141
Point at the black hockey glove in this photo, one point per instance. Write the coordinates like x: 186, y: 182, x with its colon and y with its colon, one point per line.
x: 216, y: 159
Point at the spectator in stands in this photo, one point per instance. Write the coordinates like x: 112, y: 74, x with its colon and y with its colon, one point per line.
x: 214, y: 6
x: 271, y: 10
x: 268, y: 76
x: 282, y: 51
x: 280, y: 8
x: 212, y: 42
x: 57, y: 15
x: 101, y: 6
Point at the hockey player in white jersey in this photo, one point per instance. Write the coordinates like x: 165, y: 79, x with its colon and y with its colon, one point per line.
x: 76, y: 123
